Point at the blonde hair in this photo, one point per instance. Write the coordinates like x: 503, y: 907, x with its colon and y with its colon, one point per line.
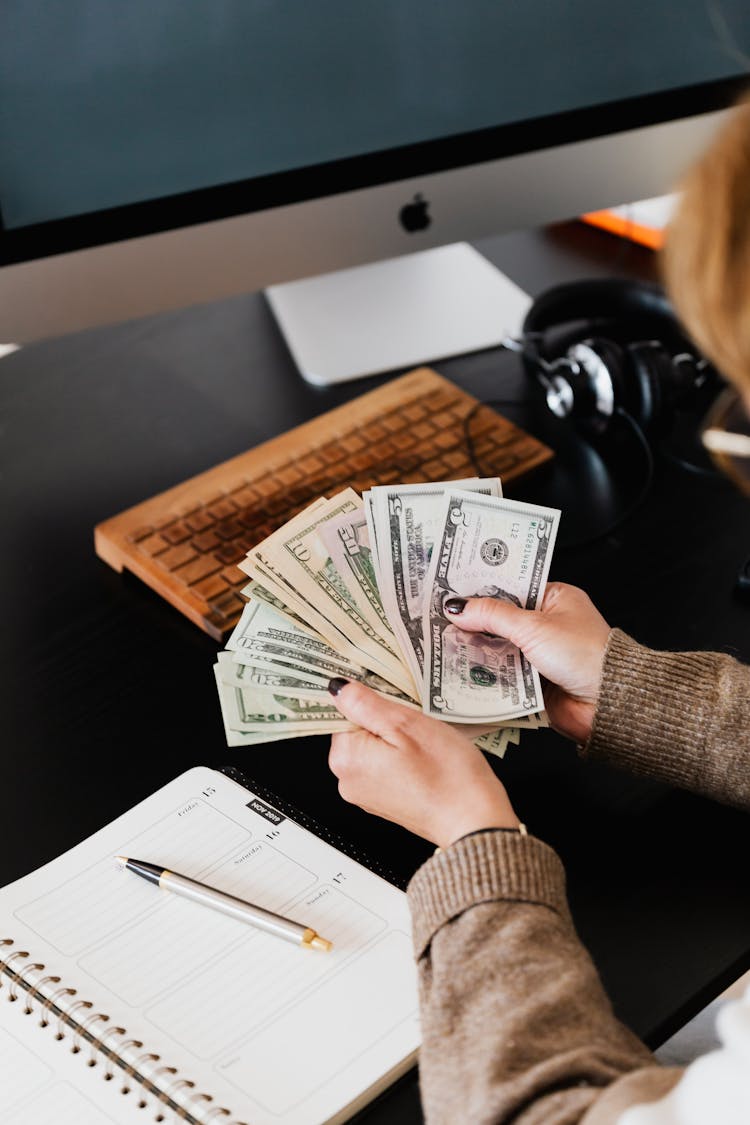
x: 706, y: 259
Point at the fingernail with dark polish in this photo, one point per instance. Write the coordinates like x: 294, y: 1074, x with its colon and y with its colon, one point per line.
x: 455, y: 605
x: 336, y: 684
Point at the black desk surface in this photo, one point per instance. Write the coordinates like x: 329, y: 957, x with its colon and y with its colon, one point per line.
x: 107, y: 692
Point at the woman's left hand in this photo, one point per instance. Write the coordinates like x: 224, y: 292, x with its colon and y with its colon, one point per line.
x: 414, y: 770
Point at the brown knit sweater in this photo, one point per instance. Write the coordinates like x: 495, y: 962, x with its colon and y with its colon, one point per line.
x: 516, y: 1025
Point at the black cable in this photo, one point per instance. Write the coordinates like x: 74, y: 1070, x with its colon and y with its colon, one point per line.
x: 690, y: 466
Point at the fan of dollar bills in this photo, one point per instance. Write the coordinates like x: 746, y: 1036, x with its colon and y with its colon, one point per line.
x: 356, y: 588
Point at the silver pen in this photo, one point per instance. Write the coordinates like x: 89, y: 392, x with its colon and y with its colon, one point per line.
x: 227, y: 904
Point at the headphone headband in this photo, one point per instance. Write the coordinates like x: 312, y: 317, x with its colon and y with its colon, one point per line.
x: 630, y: 302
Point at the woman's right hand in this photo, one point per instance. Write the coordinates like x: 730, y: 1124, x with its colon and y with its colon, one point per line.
x: 565, y: 641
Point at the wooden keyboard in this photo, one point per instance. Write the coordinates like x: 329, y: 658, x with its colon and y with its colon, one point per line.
x: 185, y: 542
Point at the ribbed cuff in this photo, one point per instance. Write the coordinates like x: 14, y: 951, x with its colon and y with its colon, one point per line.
x: 488, y: 867
x: 654, y: 710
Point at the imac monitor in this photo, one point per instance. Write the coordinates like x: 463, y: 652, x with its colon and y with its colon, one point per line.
x: 154, y: 155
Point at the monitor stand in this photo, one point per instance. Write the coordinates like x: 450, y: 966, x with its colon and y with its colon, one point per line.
x: 397, y: 313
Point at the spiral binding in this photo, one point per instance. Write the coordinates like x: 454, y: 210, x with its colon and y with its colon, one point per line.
x: 78, y: 1020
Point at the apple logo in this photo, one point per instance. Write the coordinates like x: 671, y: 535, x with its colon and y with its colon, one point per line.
x: 414, y: 216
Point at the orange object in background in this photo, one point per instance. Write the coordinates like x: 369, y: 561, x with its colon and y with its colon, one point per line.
x: 642, y: 222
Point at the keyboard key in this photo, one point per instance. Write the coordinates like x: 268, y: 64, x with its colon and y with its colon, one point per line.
x: 211, y: 587
x: 222, y: 509
x: 229, y: 529
x: 393, y: 423
x: 154, y: 545
x: 435, y: 470
x: 230, y: 553
x: 243, y: 495
x: 226, y: 605
x: 455, y: 460
x: 442, y: 399
x: 310, y: 464
x: 331, y: 454
x: 266, y: 486
x: 289, y: 475
x: 200, y: 520
x: 233, y: 576
x: 447, y: 439
x: 275, y: 505
x: 176, y: 556
x: 178, y: 533
x: 352, y: 443
x: 206, y: 541
x: 197, y: 569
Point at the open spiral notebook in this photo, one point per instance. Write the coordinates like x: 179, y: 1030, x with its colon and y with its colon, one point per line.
x: 122, y: 1003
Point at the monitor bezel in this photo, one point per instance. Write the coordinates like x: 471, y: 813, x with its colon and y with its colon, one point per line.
x: 320, y: 181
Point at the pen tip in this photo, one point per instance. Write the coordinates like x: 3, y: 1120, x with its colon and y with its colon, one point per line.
x: 121, y: 859
x: 321, y: 943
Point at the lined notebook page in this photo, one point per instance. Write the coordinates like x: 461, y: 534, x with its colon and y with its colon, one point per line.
x: 273, y: 1032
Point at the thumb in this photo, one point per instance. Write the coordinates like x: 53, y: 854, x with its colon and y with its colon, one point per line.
x: 497, y: 616
x: 374, y: 712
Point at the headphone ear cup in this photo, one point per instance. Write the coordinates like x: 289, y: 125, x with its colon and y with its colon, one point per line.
x: 648, y: 374
x: 601, y: 384
x: 641, y: 363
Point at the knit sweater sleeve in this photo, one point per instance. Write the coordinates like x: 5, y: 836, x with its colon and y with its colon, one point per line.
x: 680, y: 717
x: 516, y: 1026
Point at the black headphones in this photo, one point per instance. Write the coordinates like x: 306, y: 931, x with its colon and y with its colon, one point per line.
x: 626, y: 354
